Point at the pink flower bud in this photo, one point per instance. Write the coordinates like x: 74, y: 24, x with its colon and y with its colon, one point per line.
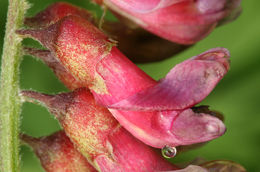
x: 57, y: 153
x: 181, y: 21
x: 97, y: 135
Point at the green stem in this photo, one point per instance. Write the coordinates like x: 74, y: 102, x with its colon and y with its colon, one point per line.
x: 10, y: 105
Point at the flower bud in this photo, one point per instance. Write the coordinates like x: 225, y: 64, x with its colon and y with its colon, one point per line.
x: 97, y: 135
x: 57, y: 153
x: 181, y: 21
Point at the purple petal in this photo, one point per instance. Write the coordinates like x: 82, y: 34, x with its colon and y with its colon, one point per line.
x: 191, y: 127
x: 185, y: 85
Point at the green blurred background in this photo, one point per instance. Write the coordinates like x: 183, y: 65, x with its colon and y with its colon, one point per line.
x: 237, y: 95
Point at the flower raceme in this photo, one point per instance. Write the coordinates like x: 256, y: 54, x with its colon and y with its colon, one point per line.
x: 181, y: 21
x: 157, y: 113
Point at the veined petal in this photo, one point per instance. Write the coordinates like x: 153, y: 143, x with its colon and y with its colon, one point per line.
x: 185, y: 85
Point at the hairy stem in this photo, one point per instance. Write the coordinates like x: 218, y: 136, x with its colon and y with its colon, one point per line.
x: 10, y: 104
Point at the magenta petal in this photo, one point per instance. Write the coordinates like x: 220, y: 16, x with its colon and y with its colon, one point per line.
x: 171, y: 128
x: 152, y: 128
x: 190, y: 127
x: 185, y: 85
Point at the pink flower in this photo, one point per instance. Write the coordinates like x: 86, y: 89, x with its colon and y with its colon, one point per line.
x: 97, y: 135
x: 181, y: 21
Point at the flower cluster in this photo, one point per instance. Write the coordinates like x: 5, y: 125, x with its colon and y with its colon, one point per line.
x: 116, y: 115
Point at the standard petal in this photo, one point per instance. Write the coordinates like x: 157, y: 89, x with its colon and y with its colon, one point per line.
x: 185, y: 85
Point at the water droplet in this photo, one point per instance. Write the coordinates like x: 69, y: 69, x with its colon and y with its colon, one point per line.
x: 169, y: 152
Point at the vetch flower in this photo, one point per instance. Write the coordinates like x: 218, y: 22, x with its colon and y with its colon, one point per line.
x: 92, y: 58
x: 97, y: 135
x: 181, y: 21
